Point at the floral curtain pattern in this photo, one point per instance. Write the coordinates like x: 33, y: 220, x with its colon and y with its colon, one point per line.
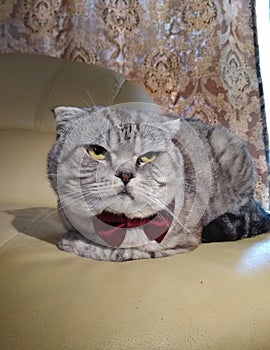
x: 195, y: 57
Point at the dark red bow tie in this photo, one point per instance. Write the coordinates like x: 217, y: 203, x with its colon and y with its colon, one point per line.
x: 112, y: 228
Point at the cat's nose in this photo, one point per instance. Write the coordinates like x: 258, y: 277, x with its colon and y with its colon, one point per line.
x: 125, y: 177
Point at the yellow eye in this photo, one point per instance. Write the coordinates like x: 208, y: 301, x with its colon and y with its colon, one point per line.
x: 97, y: 152
x: 147, y: 157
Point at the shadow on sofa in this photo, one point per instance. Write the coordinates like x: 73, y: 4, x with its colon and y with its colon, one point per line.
x: 44, y: 223
x: 39, y: 222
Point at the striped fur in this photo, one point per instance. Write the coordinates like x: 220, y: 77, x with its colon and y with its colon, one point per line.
x: 207, y: 171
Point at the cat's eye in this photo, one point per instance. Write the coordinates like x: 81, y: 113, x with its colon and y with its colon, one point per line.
x: 97, y: 152
x: 147, y: 158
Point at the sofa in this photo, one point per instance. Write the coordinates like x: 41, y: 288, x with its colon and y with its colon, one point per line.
x: 215, y: 297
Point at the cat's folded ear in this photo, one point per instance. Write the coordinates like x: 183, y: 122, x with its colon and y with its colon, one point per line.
x: 173, y: 127
x: 64, y: 115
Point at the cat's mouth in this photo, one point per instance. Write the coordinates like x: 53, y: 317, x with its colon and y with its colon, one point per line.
x: 125, y: 194
x: 112, y: 227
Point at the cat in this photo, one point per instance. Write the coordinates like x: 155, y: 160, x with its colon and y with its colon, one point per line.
x: 136, y: 184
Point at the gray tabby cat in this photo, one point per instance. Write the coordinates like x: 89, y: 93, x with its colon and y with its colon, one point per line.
x: 136, y: 184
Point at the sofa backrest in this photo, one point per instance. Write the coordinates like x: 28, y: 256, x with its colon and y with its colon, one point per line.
x: 30, y: 86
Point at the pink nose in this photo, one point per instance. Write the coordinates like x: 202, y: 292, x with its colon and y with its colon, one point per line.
x: 125, y: 177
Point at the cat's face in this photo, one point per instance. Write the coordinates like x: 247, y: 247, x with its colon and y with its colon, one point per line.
x: 115, y: 159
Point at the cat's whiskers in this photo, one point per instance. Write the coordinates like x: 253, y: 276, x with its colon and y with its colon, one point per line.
x: 89, y: 186
x: 163, y: 207
x: 84, y: 195
x: 44, y: 212
x: 75, y: 196
x: 91, y: 98
x: 39, y: 216
x: 100, y: 190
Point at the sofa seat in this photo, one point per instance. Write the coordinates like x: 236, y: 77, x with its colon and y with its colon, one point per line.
x: 215, y: 297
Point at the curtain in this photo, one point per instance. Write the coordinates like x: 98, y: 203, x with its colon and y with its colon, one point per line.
x: 195, y: 57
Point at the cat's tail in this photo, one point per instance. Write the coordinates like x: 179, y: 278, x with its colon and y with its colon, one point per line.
x: 259, y: 220
x: 251, y: 221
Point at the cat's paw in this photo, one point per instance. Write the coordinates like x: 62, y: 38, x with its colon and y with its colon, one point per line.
x: 73, y: 242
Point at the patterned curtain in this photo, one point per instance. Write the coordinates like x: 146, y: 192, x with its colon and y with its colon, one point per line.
x: 195, y: 57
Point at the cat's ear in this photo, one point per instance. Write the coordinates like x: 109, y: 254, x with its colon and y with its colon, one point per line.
x: 65, y: 114
x: 173, y: 127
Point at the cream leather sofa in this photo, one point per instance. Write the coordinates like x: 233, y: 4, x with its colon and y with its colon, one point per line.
x: 216, y: 297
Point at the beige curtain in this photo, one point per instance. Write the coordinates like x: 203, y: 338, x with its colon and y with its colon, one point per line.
x: 195, y: 57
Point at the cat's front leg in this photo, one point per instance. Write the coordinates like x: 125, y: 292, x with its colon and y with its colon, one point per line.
x: 173, y: 247
x: 176, y: 242
x: 74, y: 242
x: 180, y: 240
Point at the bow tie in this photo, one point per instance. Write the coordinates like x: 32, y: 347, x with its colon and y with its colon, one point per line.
x: 112, y: 227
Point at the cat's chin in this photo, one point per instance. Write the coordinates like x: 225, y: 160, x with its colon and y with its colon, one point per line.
x: 133, y: 207
x: 132, y: 211
x: 125, y: 196
x: 130, y: 215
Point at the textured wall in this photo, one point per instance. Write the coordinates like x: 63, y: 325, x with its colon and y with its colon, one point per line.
x: 195, y: 57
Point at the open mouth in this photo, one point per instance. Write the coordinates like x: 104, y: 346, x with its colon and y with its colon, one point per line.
x: 112, y: 227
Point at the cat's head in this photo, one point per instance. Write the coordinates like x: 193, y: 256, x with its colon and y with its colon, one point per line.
x: 117, y: 159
